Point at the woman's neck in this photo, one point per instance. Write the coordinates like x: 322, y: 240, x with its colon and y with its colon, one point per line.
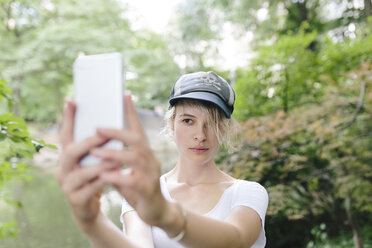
x: 193, y: 174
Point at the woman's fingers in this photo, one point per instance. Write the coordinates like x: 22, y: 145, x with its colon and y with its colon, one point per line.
x: 131, y: 118
x: 122, y: 156
x: 132, y: 180
x: 80, y: 177
x: 75, y: 151
x: 142, y: 160
x: 77, y: 178
x: 126, y: 136
x: 118, y: 178
x: 67, y: 130
x: 81, y: 196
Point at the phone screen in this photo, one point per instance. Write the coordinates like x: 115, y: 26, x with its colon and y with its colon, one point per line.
x: 98, y: 89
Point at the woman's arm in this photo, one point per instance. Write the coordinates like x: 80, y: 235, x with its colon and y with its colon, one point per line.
x: 83, y: 186
x: 240, y: 229
x: 103, y: 234
x: 137, y: 231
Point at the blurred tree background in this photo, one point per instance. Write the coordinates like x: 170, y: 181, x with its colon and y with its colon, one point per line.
x: 303, y: 79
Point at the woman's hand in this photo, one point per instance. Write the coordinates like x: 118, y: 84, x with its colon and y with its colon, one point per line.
x: 139, y: 183
x: 81, y: 185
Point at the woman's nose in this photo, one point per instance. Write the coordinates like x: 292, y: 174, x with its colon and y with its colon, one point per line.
x: 200, y: 134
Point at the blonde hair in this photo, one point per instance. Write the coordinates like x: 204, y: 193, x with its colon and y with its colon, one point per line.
x: 222, y: 126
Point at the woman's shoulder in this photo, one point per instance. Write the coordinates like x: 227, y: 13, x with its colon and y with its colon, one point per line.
x: 250, y: 189
x: 249, y: 184
x: 251, y: 194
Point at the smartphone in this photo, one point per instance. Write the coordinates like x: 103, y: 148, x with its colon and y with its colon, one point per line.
x: 98, y: 94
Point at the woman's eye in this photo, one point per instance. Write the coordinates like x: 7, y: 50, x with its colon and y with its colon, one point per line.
x: 187, y: 121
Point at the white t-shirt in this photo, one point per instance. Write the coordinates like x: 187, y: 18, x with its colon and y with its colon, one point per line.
x: 240, y: 193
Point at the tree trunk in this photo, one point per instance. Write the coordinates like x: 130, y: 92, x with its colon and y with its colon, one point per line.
x: 368, y: 7
x: 303, y: 16
x: 302, y: 12
x: 357, y: 235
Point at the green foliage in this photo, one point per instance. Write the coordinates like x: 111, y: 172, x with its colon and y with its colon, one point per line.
x: 15, y: 144
x: 344, y: 240
x: 5, y: 93
x: 282, y: 76
x: 319, y: 235
x: 37, y: 54
x: 154, y: 68
x: 287, y: 74
x: 196, y: 28
x: 285, y: 16
x: 313, y: 158
x: 8, y: 230
x: 336, y: 58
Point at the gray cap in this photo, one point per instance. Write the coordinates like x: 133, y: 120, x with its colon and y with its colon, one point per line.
x: 204, y: 86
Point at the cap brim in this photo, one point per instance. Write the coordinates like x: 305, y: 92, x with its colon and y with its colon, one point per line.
x: 203, y: 96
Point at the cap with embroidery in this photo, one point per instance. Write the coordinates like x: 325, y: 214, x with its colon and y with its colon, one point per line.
x: 204, y: 86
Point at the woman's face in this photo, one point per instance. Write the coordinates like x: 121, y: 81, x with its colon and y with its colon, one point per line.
x: 196, y: 142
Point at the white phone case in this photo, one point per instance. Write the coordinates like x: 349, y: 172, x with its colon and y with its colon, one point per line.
x: 98, y: 86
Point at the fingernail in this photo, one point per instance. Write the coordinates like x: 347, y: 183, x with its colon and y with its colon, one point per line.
x: 67, y: 103
x: 128, y: 93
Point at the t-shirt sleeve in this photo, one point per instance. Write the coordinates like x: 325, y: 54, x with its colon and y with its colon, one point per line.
x: 253, y: 195
x: 125, y: 207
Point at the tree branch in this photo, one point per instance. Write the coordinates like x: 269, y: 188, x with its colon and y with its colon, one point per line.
x: 359, y: 106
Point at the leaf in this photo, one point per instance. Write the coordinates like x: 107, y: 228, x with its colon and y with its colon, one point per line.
x: 8, y: 229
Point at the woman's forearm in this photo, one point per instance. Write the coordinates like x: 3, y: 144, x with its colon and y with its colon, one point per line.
x: 205, y: 232
x: 103, y: 233
x: 201, y: 231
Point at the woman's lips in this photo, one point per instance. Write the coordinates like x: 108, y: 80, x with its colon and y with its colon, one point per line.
x: 199, y: 150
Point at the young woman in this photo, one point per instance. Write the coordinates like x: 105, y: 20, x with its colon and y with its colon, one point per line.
x: 193, y: 205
